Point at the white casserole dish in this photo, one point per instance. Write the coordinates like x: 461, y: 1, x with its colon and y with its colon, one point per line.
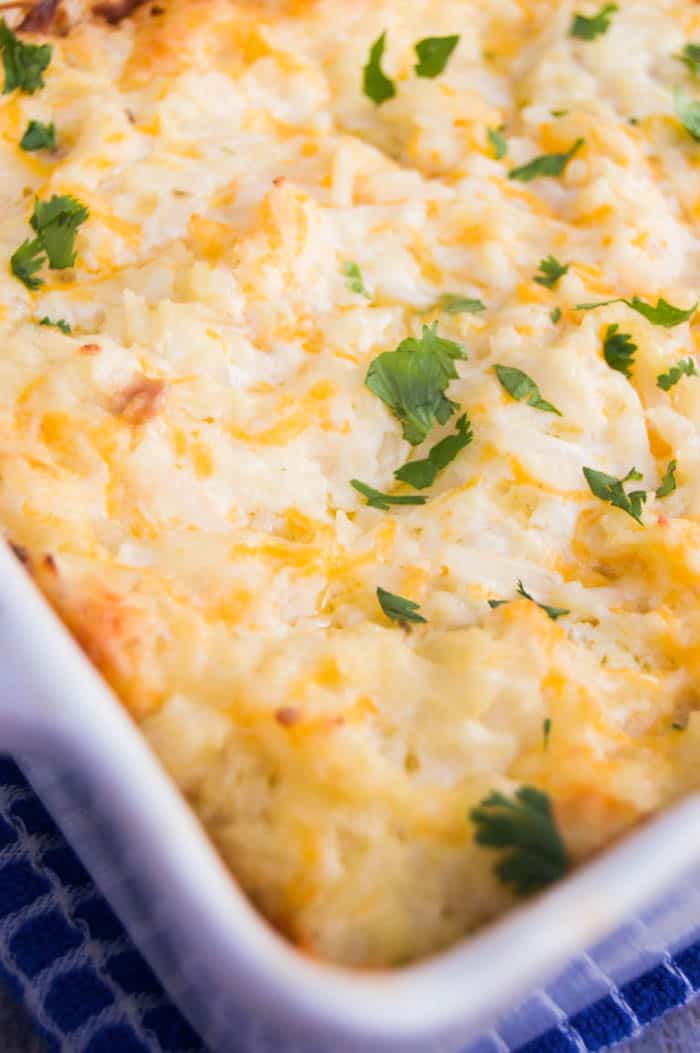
x: 224, y: 966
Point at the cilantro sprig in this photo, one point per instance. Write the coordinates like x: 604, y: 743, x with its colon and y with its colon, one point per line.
x: 545, y: 165
x: 55, y: 223
x: 453, y: 303
x: 663, y: 313
x: 60, y: 323
x: 619, y: 350
x: 525, y: 827
x: 668, y: 483
x: 375, y: 83
x: 433, y: 54
x: 498, y: 141
x: 589, y: 28
x: 685, y: 368
x: 690, y: 56
x: 412, y: 381
x: 687, y: 111
x: 355, y: 281
x: 521, y: 387
x: 38, y: 136
x: 550, y: 272
x: 551, y: 612
x: 608, y: 488
x: 24, y: 64
x: 376, y: 499
x: 421, y: 474
x: 399, y: 609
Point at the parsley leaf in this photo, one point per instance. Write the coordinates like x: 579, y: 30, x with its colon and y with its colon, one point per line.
x: 664, y: 314
x: 546, y: 165
x: 555, y: 315
x: 498, y: 142
x: 355, y: 281
x: 23, y: 63
x: 376, y: 499
x: 453, y: 303
x: 412, y: 380
x: 398, y: 608
x: 691, y: 57
x: 520, y: 386
x: 610, y: 489
x: 668, y: 483
x: 26, y: 261
x: 686, y: 367
x: 551, y: 270
x: 551, y: 612
x: 59, y: 324
x: 526, y: 827
x: 590, y: 28
x: 422, y: 473
x: 433, y: 54
x: 546, y: 732
x: 56, y: 223
x: 38, y: 136
x: 618, y: 350
x: 687, y: 111
x: 375, y: 84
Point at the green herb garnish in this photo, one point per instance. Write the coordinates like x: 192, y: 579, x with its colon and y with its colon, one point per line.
x: 375, y: 84
x: 498, y: 142
x: 421, y: 474
x: 685, y: 368
x: 453, y: 303
x: 56, y: 224
x: 551, y: 612
x: 551, y: 270
x: 521, y: 387
x: 60, y: 323
x: 355, y: 281
x: 38, y: 136
x: 23, y: 63
x: 664, y: 313
x: 398, y: 608
x: 546, y: 732
x: 433, y: 54
x: 589, y: 28
x: 555, y: 315
x: 412, y: 381
x: 26, y: 261
x: 610, y: 489
x: 618, y: 350
x: 691, y: 57
x: 376, y: 499
x: 687, y: 111
x: 546, y: 165
x: 668, y: 483
x: 525, y: 826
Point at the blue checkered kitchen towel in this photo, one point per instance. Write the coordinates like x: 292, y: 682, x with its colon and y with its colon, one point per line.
x: 69, y: 961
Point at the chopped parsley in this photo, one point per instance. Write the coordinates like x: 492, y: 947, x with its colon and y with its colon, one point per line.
x: 664, y: 313
x: 433, y: 54
x: 555, y: 315
x: 23, y: 63
x: 498, y: 142
x: 38, y: 136
x: 546, y: 732
x: 687, y: 111
x: 376, y: 499
x: 551, y: 270
x: 60, y: 323
x: 453, y: 303
x: 589, y: 28
x: 26, y: 261
x: 522, y: 387
x: 375, y: 84
x: 412, y: 381
x: 558, y: 113
x: 551, y: 612
x: 691, y: 57
x: 610, y: 489
x: 398, y: 608
x: 421, y: 474
x: 546, y: 165
x: 618, y: 350
x: 56, y: 224
x: 668, y: 483
x: 685, y: 368
x: 525, y: 826
x: 355, y: 281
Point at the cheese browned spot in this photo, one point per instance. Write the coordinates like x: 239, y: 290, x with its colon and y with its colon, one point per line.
x: 140, y: 401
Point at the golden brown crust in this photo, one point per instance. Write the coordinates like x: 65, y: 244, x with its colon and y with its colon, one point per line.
x: 141, y: 401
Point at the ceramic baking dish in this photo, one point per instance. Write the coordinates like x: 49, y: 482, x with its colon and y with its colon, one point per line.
x: 225, y: 967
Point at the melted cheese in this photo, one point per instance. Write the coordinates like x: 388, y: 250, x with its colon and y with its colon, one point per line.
x: 185, y: 455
